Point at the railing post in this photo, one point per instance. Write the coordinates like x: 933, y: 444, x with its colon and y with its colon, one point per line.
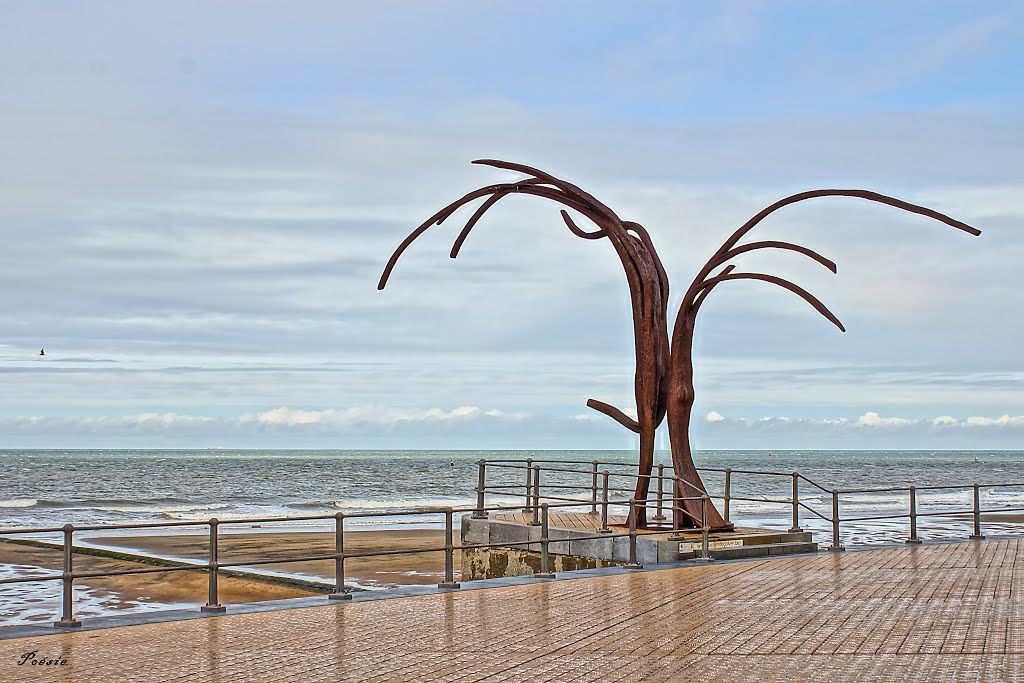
x: 593, y: 490
x: 836, y: 545
x: 704, y: 530
x: 339, y: 559
x: 212, y: 603
x: 449, y: 552
x: 529, y: 484
x: 481, y: 488
x: 604, y: 503
x: 536, y: 496
x: 659, y: 514
x: 795, y: 529
x: 977, y: 535
x: 633, y: 562
x: 545, y: 561
x: 913, y: 516
x: 67, y: 615
x: 727, y: 496
x: 677, y: 511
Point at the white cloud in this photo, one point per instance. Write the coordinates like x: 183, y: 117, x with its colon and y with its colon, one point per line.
x: 1004, y: 421
x: 349, y: 417
x: 714, y: 416
x: 167, y: 419
x: 290, y: 417
x: 872, y: 419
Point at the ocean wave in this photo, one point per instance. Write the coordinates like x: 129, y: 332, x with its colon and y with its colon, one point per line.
x: 18, y: 503
x: 424, y: 504
x: 164, y: 510
x: 103, y: 503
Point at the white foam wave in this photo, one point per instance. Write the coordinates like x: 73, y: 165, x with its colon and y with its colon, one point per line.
x: 202, y: 515
x: 415, y: 504
x: 18, y: 503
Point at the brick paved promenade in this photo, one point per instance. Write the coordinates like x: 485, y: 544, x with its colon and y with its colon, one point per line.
x: 934, y: 612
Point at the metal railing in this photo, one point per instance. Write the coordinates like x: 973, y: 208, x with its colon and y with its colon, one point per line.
x: 546, y: 485
x: 798, y: 510
x: 214, y: 564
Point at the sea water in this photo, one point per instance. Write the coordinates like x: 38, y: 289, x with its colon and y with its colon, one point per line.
x: 43, y: 488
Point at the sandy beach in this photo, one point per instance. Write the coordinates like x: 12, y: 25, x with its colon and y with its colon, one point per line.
x: 190, y: 587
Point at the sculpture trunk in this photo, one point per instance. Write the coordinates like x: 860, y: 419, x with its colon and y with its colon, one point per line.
x: 643, y: 482
x: 680, y: 407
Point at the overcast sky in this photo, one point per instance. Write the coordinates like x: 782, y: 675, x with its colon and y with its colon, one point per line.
x: 197, y: 200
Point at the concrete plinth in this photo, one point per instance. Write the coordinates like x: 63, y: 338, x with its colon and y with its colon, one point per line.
x: 573, y: 547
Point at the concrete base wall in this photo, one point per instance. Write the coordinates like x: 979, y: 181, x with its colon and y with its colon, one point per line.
x: 495, y: 563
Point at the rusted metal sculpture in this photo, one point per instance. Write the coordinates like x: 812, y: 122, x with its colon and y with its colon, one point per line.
x: 664, y: 372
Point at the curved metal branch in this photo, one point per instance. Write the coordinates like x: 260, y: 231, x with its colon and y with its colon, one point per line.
x: 771, y: 244
x: 579, y: 232
x: 569, y: 188
x: 785, y: 284
x: 536, y: 190
x: 477, y: 215
x: 615, y: 414
x: 573, y: 197
x: 507, y: 187
x: 704, y: 292
x: 614, y: 223
x: 862, y: 194
x: 433, y: 220
x: 528, y: 186
x: 727, y: 246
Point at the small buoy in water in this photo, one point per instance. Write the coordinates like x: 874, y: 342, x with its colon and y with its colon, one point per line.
x: 42, y: 352
x: 453, y: 463
x: 976, y: 459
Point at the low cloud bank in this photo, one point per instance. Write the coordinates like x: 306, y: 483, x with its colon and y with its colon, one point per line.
x: 378, y: 426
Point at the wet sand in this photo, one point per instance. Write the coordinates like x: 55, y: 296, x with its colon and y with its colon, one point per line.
x: 384, y: 571
x: 190, y: 587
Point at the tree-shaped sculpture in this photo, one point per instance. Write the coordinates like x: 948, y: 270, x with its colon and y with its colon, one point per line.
x: 664, y: 372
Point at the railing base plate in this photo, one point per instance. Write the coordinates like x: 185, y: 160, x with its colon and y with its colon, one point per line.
x: 449, y: 586
x: 213, y: 609
x: 339, y: 596
x: 67, y: 624
x: 632, y: 566
x: 913, y: 541
x: 544, y: 575
x: 977, y: 537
